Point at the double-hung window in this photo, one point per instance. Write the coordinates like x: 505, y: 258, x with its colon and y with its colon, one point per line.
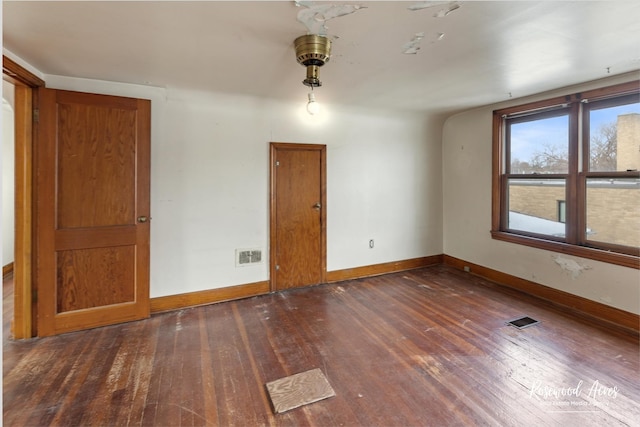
x: 566, y: 174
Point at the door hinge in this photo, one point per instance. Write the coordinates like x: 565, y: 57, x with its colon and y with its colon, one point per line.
x: 36, y: 116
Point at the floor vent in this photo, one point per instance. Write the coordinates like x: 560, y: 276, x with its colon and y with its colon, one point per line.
x: 246, y: 257
x: 297, y: 390
x: 523, y: 322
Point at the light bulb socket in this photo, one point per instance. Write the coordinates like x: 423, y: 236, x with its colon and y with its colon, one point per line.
x: 312, y: 79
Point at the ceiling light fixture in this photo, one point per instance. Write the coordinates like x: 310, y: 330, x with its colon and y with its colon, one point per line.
x: 312, y: 51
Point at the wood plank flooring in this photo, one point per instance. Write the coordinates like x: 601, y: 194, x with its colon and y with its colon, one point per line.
x: 427, y: 347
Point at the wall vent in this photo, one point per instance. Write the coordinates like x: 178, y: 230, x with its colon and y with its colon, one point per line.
x: 246, y: 257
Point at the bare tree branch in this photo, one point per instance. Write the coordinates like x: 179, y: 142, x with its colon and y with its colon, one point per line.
x: 551, y: 159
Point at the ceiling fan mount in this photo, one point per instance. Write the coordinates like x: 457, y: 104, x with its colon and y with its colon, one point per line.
x: 312, y: 51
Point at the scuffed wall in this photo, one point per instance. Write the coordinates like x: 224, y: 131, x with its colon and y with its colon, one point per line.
x: 571, y: 266
x: 467, y: 162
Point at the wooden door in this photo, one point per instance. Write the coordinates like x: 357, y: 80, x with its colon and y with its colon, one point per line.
x: 92, y: 212
x: 298, y: 218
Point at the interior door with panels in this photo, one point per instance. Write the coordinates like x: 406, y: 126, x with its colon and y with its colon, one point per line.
x: 92, y: 210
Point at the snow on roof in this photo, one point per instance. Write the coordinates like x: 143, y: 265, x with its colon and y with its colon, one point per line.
x: 534, y: 224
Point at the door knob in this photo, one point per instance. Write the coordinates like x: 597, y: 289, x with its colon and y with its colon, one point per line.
x: 317, y: 206
x: 142, y: 219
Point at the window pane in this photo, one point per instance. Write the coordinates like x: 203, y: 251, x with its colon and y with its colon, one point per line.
x: 533, y: 206
x: 540, y: 146
x: 562, y: 211
x: 614, y: 138
x: 613, y: 211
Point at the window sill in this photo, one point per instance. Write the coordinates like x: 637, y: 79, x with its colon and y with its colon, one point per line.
x: 565, y: 248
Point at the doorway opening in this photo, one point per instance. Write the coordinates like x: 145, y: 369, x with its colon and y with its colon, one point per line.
x: 8, y: 178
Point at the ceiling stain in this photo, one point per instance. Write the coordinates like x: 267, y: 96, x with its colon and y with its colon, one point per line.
x: 413, y: 46
x: 314, y: 16
x: 441, y: 13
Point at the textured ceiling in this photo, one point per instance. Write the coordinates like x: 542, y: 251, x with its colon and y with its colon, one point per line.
x: 466, y: 53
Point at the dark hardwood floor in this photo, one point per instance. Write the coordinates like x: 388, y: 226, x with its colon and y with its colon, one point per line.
x: 426, y: 347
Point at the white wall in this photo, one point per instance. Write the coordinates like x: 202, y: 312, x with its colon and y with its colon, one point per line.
x: 467, y: 145
x: 210, y: 182
x: 8, y: 179
x: 387, y: 173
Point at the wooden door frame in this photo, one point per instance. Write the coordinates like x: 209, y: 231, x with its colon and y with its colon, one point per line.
x: 273, y: 149
x: 26, y: 84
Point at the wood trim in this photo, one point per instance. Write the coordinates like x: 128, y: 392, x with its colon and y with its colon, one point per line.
x: 578, y: 305
x: 7, y: 269
x: 17, y: 74
x: 26, y: 100
x: 143, y: 207
x: 378, y: 269
x: 616, y: 258
x: 24, y: 304
x: 533, y: 107
x: 210, y: 296
x: 272, y: 216
x: 574, y: 211
x: 591, y: 310
x: 496, y: 176
x: 323, y: 212
x: 608, y: 91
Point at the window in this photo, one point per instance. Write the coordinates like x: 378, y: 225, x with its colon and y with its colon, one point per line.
x: 566, y: 174
x: 562, y: 211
